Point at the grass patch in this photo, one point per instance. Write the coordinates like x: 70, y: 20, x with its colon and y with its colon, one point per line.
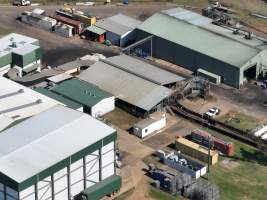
x: 125, y: 195
x: 4, y: 31
x: 240, y: 121
x: 161, y: 195
x: 121, y: 118
x: 246, y: 181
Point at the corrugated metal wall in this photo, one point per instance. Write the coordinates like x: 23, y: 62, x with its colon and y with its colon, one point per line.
x: 190, y: 59
x: 5, y: 60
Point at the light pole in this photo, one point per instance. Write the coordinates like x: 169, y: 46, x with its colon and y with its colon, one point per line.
x: 209, y: 168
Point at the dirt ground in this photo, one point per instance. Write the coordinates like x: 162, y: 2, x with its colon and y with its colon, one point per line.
x: 55, y: 46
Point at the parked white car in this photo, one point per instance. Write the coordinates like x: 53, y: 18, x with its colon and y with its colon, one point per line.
x: 212, y: 112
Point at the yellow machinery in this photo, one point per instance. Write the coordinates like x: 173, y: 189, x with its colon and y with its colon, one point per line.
x: 78, y: 15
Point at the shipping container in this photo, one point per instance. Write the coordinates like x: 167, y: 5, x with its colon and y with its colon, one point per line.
x: 196, y: 151
x: 202, y: 137
x: 78, y: 26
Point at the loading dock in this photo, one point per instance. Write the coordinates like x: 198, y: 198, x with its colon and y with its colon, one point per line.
x: 214, y: 78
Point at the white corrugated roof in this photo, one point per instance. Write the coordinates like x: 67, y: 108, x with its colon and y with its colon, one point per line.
x: 27, y: 48
x: 46, y: 139
x: 20, y: 40
x: 144, y: 70
x: 112, y: 26
x: 18, y: 101
x: 126, y: 20
x: 125, y: 86
x: 59, y: 78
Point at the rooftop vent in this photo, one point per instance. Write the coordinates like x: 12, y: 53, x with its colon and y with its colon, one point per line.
x: 39, y: 101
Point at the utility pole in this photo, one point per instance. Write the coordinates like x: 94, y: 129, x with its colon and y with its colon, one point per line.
x: 209, y: 168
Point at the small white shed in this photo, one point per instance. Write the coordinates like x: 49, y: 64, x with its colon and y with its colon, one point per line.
x: 152, y: 124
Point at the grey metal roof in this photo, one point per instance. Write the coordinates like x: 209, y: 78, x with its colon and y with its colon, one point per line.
x: 33, y: 145
x: 126, y: 20
x: 95, y: 29
x: 208, y: 39
x: 18, y: 101
x: 125, y: 86
x: 112, y: 26
x: 27, y: 48
x: 187, y: 15
x: 19, y: 40
x: 144, y: 70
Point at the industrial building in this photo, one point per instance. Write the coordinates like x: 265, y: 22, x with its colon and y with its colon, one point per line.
x: 134, y: 92
x: 83, y: 159
x: 18, y: 102
x: 119, y: 29
x: 69, y: 103
x: 19, y: 52
x: 192, y: 41
x: 92, y: 99
x: 142, y: 69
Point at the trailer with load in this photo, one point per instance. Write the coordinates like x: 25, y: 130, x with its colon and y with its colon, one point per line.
x: 202, y: 137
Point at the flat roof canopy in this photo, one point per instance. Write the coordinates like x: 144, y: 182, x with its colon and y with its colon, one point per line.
x: 125, y: 86
x: 38, y: 138
x: 96, y: 30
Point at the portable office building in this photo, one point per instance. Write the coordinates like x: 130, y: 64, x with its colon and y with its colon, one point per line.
x: 155, y: 122
x: 66, y: 151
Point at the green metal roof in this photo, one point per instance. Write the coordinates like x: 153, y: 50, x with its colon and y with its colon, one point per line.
x: 67, y: 102
x: 81, y: 92
x: 95, y: 29
x: 209, y: 39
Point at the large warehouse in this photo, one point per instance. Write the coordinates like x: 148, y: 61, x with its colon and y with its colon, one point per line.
x: 20, y: 52
x: 83, y: 160
x: 18, y: 102
x: 135, y: 91
x: 192, y: 41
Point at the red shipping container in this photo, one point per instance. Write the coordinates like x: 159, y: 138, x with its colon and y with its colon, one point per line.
x: 78, y: 26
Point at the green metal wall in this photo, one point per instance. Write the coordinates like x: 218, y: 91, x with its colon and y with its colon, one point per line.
x: 103, y: 188
x: 190, y: 59
x: 5, y: 60
x: 26, y: 59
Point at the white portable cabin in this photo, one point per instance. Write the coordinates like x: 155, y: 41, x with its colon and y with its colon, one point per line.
x: 55, y: 155
x: 152, y: 124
